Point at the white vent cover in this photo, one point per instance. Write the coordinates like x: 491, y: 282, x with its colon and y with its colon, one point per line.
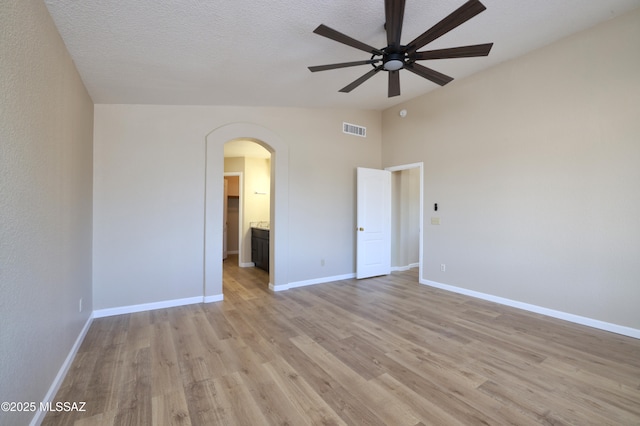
x: 353, y: 129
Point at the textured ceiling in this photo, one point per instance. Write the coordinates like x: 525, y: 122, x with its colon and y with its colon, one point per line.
x: 256, y: 53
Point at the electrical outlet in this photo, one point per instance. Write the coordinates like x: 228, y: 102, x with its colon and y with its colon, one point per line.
x: 443, y: 267
x: 80, y: 305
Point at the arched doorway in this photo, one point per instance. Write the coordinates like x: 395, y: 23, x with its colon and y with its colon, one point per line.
x: 212, y: 286
x: 247, y: 166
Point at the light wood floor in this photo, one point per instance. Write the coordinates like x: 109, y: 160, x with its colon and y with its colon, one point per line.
x: 381, y: 351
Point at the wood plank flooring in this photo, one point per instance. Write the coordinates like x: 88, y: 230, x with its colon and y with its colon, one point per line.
x: 380, y: 351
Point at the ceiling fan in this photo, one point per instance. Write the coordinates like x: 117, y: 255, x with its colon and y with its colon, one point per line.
x: 396, y: 56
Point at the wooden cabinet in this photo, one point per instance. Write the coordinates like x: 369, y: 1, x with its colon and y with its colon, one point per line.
x: 260, y: 248
x: 234, y: 186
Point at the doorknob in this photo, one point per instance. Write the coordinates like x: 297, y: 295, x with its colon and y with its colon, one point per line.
x: 361, y: 229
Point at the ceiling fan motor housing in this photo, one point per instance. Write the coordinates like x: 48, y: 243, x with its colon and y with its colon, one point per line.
x: 393, y: 61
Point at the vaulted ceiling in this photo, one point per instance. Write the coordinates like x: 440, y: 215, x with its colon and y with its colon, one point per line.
x: 256, y: 53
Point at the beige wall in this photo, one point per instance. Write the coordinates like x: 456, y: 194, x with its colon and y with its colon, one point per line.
x: 46, y: 120
x: 149, y: 194
x: 256, y: 199
x: 535, y: 166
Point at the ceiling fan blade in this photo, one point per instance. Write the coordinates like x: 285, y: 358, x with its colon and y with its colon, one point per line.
x: 394, y: 84
x: 394, y: 15
x: 342, y: 65
x: 325, y: 31
x: 359, y: 81
x: 455, y: 52
x: 456, y: 18
x: 429, y: 74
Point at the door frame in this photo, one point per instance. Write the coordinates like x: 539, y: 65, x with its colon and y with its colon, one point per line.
x: 240, y: 207
x: 419, y: 166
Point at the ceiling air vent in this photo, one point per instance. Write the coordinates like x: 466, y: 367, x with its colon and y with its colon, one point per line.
x: 352, y: 129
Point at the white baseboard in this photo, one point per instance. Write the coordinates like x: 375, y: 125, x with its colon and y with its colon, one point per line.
x: 281, y: 287
x: 577, y: 319
x: 57, y: 382
x: 246, y: 264
x: 100, y: 313
x: 404, y: 268
x: 214, y: 298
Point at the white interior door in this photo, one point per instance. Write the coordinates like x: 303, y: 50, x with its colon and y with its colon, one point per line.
x: 373, y: 231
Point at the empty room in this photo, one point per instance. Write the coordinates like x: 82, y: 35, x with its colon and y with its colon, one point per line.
x: 379, y: 212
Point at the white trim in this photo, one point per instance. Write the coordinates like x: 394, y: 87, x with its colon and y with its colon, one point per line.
x: 108, y: 312
x: 305, y: 283
x: 405, y: 268
x: 577, y: 319
x: 246, y: 264
x: 64, y: 369
x: 404, y: 167
x: 214, y: 298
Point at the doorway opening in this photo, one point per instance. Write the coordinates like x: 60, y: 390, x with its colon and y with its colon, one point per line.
x: 214, y: 199
x: 232, y: 213
x: 406, y: 217
x: 247, y: 203
x: 389, y: 220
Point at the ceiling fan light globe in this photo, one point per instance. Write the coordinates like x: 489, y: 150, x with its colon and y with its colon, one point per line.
x: 393, y: 65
